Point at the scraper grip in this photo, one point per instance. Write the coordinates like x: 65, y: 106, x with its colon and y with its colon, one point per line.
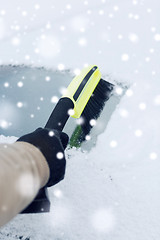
x: 60, y: 115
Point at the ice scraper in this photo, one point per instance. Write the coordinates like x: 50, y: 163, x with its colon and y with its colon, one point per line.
x: 84, y: 97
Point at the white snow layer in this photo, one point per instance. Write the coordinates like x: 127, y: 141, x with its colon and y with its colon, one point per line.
x: 113, y: 191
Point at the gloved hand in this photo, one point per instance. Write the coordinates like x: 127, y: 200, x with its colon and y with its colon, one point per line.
x: 52, y: 144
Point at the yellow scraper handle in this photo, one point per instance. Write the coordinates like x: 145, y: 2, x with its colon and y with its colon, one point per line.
x: 82, y: 87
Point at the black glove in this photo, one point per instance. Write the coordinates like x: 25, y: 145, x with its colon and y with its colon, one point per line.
x: 52, y: 144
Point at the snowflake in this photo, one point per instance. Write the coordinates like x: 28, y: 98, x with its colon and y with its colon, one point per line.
x: 36, y: 50
x: 130, y: 15
x: 88, y: 137
x: 26, y: 185
x: 153, y: 29
x: 151, y: 50
x: 101, y: 12
x: 77, y: 71
x: 60, y: 155
x: 27, y: 57
x: 147, y: 59
x: 157, y: 37
x: 92, y: 122
x: 62, y: 28
x: 125, y: 57
x: 71, y: 112
x: 48, y: 26
x: 37, y: 6
x: 19, y: 104
x: 133, y: 37
x: 119, y: 90
x: 124, y: 113
x: 135, y: 2
x: 138, y: 133
x: 153, y: 73
x: 51, y: 133
x: 85, y: 2
x: 149, y: 10
x: 24, y: 13
x: 47, y: 78
x: 129, y: 93
x: 120, y: 36
x: 63, y: 90
x: 6, y: 84
x: 15, y: 41
x: 58, y: 193
x: 54, y: 99
x: 68, y: 6
x: 136, y: 17
x: 115, y: 8
x: 20, y: 84
x: 4, y: 124
x: 103, y: 220
x: 80, y: 121
x: 157, y: 100
x: 61, y: 67
x: 3, y: 12
x: 113, y: 144
x: 142, y: 106
x: 153, y: 156
x: 82, y: 42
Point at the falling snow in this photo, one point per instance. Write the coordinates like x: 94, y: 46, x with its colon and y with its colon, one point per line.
x: 111, y: 191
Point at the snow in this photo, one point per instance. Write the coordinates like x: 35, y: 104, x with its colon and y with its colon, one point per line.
x: 111, y: 191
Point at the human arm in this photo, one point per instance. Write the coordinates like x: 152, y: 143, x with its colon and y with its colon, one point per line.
x: 24, y: 170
